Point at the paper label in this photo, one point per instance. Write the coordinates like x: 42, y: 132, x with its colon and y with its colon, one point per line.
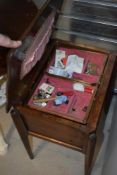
x: 60, y: 54
x: 47, y: 88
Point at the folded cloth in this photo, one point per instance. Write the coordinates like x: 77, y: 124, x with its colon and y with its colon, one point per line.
x: 74, y: 64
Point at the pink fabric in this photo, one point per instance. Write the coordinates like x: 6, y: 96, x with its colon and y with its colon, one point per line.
x: 37, y: 48
x: 95, y: 57
x: 78, y: 101
x: 98, y: 58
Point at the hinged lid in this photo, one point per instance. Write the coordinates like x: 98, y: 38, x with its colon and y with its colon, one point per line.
x: 15, y: 17
x: 23, y: 59
x: 35, y: 41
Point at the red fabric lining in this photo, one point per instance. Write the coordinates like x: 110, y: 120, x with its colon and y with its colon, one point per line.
x: 82, y: 99
x: 79, y: 102
x: 94, y: 57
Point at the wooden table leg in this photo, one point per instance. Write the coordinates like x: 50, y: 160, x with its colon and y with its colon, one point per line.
x: 89, y: 153
x: 22, y: 131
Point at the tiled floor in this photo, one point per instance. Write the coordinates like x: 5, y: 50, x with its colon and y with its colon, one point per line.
x: 49, y: 158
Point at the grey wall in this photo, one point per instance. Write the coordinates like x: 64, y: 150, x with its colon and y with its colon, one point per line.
x: 110, y: 163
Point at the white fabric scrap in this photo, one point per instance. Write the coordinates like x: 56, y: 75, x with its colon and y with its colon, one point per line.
x: 78, y: 87
x: 58, y: 71
x: 74, y: 64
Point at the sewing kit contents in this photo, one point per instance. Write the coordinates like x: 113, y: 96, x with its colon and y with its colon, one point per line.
x: 74, y: 64
x: 58, y: 71
x: 92, y: 69
x: 60, y: 55
x: 82, y: 88
x: 47, y: 88
x: 61, y: 99
x: 61, y: 96
x: 69, y: 83
x: 43, y: 96
x: 66, y: 65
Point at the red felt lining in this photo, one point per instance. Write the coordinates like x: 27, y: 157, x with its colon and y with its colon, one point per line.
x: 94, y: 57
x: 80, y: 102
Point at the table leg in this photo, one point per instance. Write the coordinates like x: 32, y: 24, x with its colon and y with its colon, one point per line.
x: 22, y: 130
x: 90, y: 153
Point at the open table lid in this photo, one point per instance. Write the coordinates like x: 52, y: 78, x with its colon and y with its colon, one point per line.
x: 22, y: 60
x: 35, y: 40
x: 15, y: 17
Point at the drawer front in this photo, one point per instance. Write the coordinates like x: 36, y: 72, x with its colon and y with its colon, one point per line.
x: 53, y: 128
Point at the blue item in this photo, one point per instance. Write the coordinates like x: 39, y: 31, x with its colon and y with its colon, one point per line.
x: 61, y: 99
